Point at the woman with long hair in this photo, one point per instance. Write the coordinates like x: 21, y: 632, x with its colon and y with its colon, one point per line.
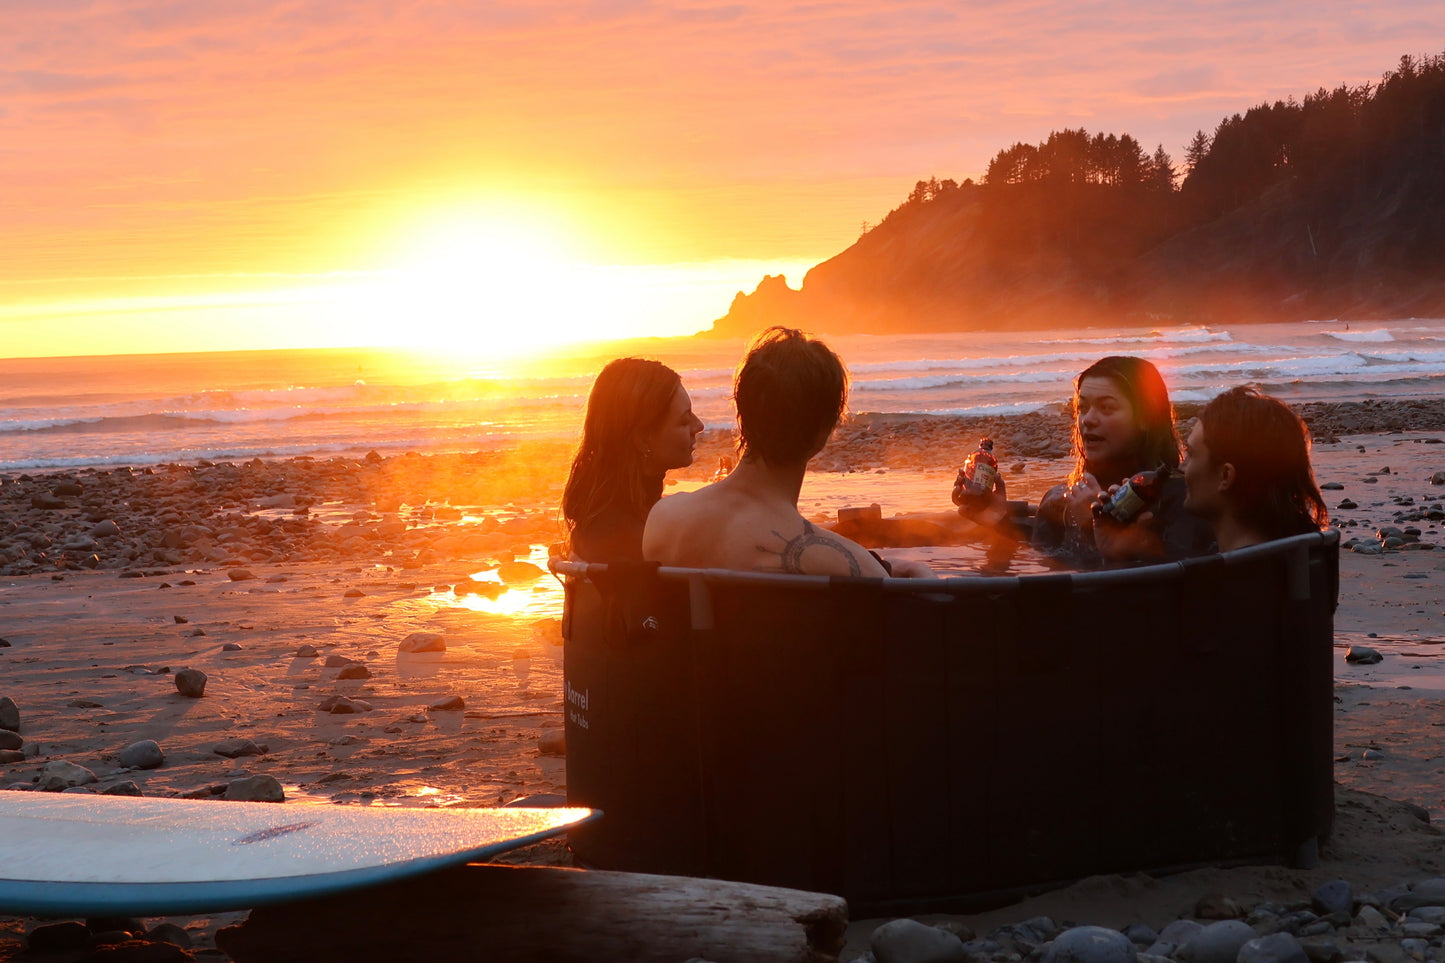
x: 1247, y: 470
x: 1123, y: 424
x: 639, y: 425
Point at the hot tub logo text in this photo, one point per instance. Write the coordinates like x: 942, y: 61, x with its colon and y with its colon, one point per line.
x: 577, y: 705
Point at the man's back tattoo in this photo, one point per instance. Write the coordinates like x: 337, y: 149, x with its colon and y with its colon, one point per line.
x: 790, y: 555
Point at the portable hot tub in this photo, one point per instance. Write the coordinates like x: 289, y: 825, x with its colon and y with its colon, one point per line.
x: 917, y: 742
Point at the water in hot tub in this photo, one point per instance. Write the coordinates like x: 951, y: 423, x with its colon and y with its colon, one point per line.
x: 922, y: 492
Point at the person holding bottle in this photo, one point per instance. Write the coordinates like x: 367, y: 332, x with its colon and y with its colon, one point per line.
x: 1123, y: 425
x: 979, y: 491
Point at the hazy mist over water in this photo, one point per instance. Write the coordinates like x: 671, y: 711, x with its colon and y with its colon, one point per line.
x: 137, y: 410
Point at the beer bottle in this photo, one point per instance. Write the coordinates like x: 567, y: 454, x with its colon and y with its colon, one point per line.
x: 980, y: 469
x: 1136, y: 494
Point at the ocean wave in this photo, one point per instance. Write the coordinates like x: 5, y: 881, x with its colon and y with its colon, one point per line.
x: 1153, y: 337
x: 1377, y: 335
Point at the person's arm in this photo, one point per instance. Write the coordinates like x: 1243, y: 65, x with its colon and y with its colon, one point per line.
x: 989, y: 508
x: 1138, y: 541
x: 1049, y: 519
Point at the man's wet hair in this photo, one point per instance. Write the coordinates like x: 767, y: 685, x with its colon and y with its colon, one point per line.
x: 1269, y: 446
x: 790, y: 392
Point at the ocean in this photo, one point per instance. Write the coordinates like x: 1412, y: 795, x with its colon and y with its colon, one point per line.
x: 152, y: 409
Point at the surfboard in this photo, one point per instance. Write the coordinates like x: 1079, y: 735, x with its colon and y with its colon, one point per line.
x: 68, y: 854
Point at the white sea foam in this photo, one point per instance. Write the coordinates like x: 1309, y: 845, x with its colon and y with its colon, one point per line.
x: 1367, y: 337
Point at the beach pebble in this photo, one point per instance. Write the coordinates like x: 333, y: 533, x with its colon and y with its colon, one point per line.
x: 1090, y: 944
x: 307, y: 652
x: 191, y: 683
x: 353, y: 593
x: 449, y: 704
x: 423, y: 642
x: 1217, y: 943
x: 145, y: 754
x: 1322, y: 951
x: 9, y: 714
x: 236, y: 748
x: 1332, y: 487
x: 1216, y: 906
x: 1415, y: 948
x: 909, y: 941
x: 225, y: 646
x: 58, y: 937
x: 1363, y: 655
x: 1336, y: 896
x: 1140, y: 934
x: 261, y: 788
x: 354, y: 670
x: 519, y: 572
x: 8, y: 756
x: 1438, y: 478
x: 239, y: 574
x: 60, y: 775
x: 1428, y: 914
x: 126, y: 788
x: 1180, y: 932
x: 340, y: 705
x: 1369, y: 918
x: 1274, y: 948
x: 1347, y: 504
x: 553, y: 743
x: 106, y: 529
x: 10, y: 740
x: 1427, y: 892
x: 334, y: 661
x: 169, y: 933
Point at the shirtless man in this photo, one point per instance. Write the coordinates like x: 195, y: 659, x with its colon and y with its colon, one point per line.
x: 790, y: 392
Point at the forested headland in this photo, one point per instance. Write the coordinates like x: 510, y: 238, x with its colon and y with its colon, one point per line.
x: 1329, y: 207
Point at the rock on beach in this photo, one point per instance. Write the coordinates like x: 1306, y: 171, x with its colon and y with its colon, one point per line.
x: 191, y: 683
x: 145, y: 754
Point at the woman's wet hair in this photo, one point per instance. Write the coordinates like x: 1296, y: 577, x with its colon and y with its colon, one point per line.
x: 630, y: 398
x: 1143, y: 387
x: 1274, y: 490
x: 790, y: 392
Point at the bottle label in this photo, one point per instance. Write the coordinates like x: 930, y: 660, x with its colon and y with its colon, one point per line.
x: 1125, y: 504
x: 983, y: 478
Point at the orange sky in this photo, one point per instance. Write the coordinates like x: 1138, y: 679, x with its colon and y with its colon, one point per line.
x: 177, y: 175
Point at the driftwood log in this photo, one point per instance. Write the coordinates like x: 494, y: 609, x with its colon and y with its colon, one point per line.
x: 546, y: 913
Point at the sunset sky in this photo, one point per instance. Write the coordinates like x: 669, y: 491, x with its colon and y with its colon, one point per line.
x: 186, y: 176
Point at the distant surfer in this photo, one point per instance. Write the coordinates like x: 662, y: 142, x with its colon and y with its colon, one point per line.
x: 639, y: 425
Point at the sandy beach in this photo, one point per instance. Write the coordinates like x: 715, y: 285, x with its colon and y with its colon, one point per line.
x: 276, y: 579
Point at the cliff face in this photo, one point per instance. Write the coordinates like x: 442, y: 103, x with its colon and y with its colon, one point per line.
x: 1334, y: 207
x: 1002, y: 258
